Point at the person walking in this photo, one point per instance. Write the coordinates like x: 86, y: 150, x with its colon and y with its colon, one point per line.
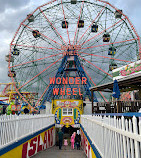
x: 60, y: 136
x: 65, y: 143
x: 78, y: 140
x: 74, y: 133
x: 72, y: 141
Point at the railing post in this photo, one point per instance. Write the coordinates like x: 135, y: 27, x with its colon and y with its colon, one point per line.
x: 131, y: 141
x: 17, y: 127
x: 103, y: 142
x: 124, y: 140
x: 32, y: 125
x: 92, y: 101
x: 137, y: 150
x: 127, y: 139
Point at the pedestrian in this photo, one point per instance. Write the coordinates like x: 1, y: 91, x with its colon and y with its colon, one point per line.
x: 78, y: 140
x: 72, y: 141
x: 60, y: 136
x: 74, y: 133
x: 65, y: 143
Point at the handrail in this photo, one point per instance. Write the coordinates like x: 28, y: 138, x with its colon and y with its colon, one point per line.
x: 14, y: 128
x: 130, y: 114
x: 114, y: 137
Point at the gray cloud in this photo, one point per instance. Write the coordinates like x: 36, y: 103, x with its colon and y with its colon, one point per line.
x: 132, y: 9
x: 129, y: 5
x: 4, y: 72
x: 10, y: 22
x: 13, y: 4
x: 12, y: 12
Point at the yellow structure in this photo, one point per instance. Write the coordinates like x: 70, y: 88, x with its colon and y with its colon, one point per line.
x: 7, y: 91
x: 67, y: 112
x: 9, y: 94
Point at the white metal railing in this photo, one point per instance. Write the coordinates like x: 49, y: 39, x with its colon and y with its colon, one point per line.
x: 114, y: 138
x: 13, y: 127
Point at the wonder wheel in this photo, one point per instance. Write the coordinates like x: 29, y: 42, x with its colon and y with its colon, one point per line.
x: 98, y: 35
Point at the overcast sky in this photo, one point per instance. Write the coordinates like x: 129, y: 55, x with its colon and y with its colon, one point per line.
x: 12, y: 12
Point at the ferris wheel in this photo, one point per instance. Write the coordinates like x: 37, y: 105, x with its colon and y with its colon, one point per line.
x: 101, y: 35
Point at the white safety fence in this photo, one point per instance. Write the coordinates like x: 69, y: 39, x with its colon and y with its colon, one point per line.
x: 114, y: 138
x: 13, y: 127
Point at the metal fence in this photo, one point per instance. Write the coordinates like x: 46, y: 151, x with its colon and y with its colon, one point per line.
x: 13, y: 127
x: 120, y: 106
x: 114, y: 137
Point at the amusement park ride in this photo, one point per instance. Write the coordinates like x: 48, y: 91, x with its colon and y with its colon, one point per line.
x: 65, y: 47
x: 13, y: 103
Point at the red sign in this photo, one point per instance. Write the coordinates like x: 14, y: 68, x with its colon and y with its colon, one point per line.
x: 71, y: 49
x: 85, y: 145
x: 15, y: 107
x: 37, y: 144
x: 18, y: 107
x: 68, y: 80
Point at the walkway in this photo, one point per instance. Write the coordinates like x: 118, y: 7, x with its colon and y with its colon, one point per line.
x: 55, y: 152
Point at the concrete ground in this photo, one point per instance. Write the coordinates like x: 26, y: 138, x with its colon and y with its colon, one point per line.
x: 54, y: 152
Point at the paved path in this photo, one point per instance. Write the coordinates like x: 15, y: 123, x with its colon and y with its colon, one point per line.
x: 54, y: 152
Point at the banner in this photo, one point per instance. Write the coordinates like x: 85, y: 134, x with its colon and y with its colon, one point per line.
x: 27, y: 148
x: 128, y: 70
x: 87, y: 146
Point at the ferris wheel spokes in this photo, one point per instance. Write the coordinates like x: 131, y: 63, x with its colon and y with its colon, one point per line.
x: 95, y: 66
x: 42, y: 34
x: 78, y: 21
x: 91, y: 24
x: 65, y: 22
x: 39, y: 73
x: 42, y: 95
x: 52, y: 25
x: 29, y: 46
x: 104, y: 57
x: 110, y: 44
x: 103, y: 31
x: 94, y: 84
x: 35, y: 60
